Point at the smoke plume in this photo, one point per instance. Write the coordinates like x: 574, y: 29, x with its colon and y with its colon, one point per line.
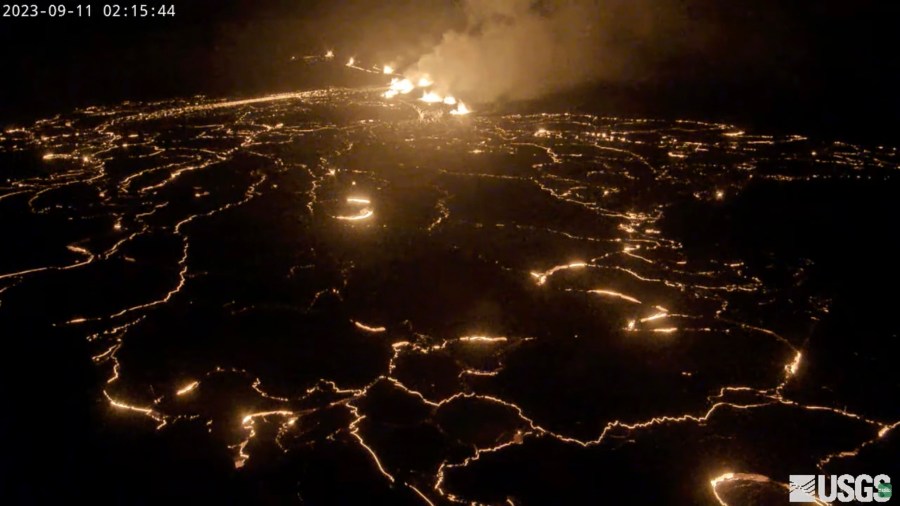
x: 521, y: 49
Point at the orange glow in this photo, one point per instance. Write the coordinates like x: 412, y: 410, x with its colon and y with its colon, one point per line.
x: 617, y: 295
x: 461, y: 109
x: 368, y: 328
x: 483, y: 339
x: 542, y: 276
x: 364, y: 213
x: 431, y: 98
x: 190, y: 387
x: 402, y: 86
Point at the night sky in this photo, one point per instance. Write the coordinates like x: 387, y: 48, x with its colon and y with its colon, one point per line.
x: 812, y: 65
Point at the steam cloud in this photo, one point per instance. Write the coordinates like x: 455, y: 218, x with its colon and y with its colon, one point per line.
x: 521, y: 49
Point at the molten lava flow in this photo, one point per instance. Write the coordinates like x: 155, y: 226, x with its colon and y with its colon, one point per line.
x: 431, y: 98
x: 460, y: 110
x: 403, y: 86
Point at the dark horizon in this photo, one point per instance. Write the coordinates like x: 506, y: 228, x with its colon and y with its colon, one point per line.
x: 823, y: 68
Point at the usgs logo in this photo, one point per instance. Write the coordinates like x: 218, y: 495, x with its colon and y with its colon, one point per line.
x: 843, y: 488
